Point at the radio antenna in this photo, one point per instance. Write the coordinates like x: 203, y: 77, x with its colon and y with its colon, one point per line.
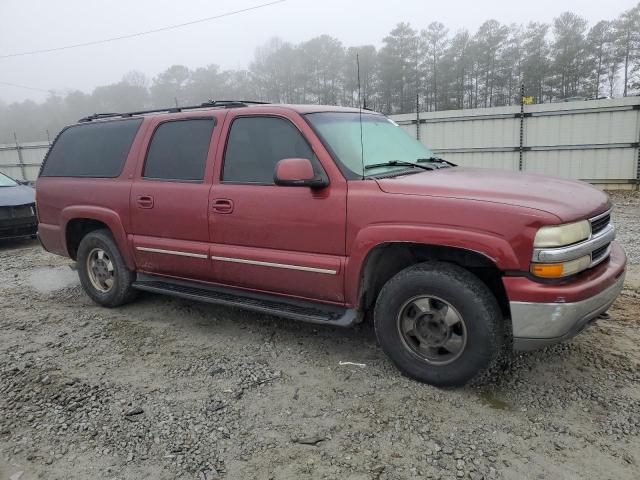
x: 360, y: 109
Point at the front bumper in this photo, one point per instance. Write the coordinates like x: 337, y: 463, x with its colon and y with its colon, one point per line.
x: 537, y: 324
x: 18, y: 227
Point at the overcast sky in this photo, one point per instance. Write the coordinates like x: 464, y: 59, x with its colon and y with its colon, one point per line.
x: 229, y: 42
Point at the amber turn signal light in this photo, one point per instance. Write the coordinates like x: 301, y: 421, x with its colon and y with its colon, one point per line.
x: 547, y: 270
x: 557, y: 270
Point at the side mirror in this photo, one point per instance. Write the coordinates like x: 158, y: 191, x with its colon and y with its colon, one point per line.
x: 297, y: 172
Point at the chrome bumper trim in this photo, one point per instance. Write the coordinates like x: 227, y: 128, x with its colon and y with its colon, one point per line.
x: 539, y: 324
x: 565, y: 254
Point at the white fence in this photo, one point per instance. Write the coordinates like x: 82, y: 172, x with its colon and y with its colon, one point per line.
x: 596, y: 140
x: 22, y: 161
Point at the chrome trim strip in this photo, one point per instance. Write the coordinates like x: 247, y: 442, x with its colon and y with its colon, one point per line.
x: 172, y: 252
x: 564, y: 254
x: 275, y: 265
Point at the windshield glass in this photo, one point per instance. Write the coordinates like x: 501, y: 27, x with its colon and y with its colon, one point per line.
x: 383, y: 141
x: 6, y: 181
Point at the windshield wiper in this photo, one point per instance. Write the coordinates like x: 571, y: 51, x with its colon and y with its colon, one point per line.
x: 397, y: 163
x: 438, y: 160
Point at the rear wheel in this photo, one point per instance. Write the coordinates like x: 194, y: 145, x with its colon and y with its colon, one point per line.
x: 103, y: 273
x: 439, y: 323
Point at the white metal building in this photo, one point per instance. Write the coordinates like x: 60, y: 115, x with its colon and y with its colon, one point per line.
x: 594, y: 140
x: 597, y: 140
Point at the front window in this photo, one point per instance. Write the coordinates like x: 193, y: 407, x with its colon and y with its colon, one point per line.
x: 256, y: 144
x: 6, y: 181
x: 382, y: 141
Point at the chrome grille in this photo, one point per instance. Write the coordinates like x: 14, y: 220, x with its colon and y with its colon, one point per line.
x: 600, y: 253
x: 600, y: 222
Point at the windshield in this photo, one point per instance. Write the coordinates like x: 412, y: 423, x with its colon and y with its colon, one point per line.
x: 383, y: 141
x: 6, y: 181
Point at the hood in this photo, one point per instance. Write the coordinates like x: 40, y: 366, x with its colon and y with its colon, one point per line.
x: 567, y: 199
x: 18, y: 195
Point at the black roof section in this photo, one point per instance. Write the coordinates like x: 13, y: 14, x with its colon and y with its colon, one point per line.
x: 208, y: 104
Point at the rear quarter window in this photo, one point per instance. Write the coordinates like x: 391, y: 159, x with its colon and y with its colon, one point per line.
x: 92, y: 150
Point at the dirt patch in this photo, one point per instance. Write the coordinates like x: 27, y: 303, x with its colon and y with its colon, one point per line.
x: 166, y: 389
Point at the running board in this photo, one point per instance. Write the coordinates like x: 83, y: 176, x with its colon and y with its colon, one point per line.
x: 300, y: 310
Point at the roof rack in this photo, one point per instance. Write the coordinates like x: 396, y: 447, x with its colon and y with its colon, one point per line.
x: 231, y: 103
x: 207, y: 104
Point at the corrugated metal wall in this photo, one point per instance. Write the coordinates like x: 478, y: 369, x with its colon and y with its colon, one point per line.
x: 593, y: 140
x: 22, y: 161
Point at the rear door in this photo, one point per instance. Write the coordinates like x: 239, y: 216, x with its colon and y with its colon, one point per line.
x: 169, y: 198
x: 286, y: 240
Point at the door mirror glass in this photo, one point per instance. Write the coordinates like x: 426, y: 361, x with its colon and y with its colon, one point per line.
x: 298, y: 172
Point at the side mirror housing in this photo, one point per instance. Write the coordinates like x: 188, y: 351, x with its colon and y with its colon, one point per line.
x: 298, y: 172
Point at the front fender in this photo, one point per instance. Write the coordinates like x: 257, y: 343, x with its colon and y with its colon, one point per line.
x: 104, y: 215
x: 495, y: 248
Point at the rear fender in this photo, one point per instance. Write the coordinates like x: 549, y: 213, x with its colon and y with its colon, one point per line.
x: 109, y: 217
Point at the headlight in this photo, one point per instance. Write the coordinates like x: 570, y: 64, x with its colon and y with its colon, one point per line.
x: 559, y: 270
x: 562, y: 235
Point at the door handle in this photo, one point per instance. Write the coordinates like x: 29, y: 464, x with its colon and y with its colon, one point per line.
x: 222, y: 205
x: 145, y: 201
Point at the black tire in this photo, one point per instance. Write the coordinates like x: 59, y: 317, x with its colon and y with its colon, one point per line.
x: 120, y: 291
x: 472, y: 302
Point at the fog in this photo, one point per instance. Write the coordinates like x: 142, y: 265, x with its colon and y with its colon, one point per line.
x: 229, y: 42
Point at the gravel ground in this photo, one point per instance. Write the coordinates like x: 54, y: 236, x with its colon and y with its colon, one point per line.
x: 169, y: 389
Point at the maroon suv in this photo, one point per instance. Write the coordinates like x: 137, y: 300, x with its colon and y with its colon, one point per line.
x: 329, y: 215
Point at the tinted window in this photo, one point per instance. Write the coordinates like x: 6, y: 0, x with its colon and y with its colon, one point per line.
x: 256, y: 144
x: 93, y: 150
x: 178, y: 150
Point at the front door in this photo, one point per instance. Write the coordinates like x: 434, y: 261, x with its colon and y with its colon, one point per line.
x: 169, y: 199
x: 288, y: 240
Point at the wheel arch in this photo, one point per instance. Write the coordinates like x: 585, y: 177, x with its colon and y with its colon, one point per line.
x: 78, y: 221
x: 387, y: 259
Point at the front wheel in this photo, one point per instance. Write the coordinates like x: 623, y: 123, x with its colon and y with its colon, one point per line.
x: 439, y: 323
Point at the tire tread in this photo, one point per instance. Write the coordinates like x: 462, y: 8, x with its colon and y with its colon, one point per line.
x: 476, y: 292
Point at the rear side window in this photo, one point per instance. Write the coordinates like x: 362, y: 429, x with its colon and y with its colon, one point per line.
x: 178, y: 150
x: 92, y: 150
x: 256, y: 144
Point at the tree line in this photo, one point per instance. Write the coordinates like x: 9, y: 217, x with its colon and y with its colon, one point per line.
x: 429, y: 69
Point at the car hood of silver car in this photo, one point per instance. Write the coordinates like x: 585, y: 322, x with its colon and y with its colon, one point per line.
x: 18, y: 195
